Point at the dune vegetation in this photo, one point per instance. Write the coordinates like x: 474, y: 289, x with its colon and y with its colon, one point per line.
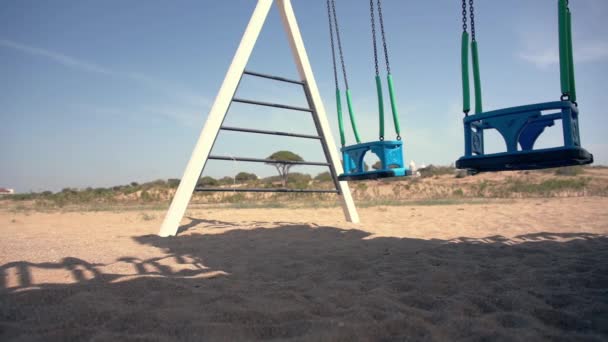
x: 435, y: 185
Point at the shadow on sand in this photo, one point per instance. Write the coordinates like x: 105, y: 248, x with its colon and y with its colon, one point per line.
x: 298, y: 282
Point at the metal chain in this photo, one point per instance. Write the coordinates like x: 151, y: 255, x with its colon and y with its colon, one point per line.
x: 388, y: 66
x: 333, y: 47
x: 333, y: 6
x: 472, y: 20
x: 371, y: 11
x: 464, y: 15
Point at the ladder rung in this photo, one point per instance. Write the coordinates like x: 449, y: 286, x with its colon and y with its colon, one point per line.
x: 268, y: 104
x: 269, y: 161
x: 267, y: 190
x: 271, y: 77
x: 259, y: 131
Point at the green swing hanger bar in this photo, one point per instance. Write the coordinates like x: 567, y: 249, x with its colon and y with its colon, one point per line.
x: 389, y: 77
x: 466, y: 96
x: 334, y: 27
x: 566, y: 60
x: 389, y: 153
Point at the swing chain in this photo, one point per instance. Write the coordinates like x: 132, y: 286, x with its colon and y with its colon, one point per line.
x: 388, y: 66
x: 331, y: 40
x: 371, y: 11
x: 471, y: 9
x: 333, y: 6
x: 464, y: 15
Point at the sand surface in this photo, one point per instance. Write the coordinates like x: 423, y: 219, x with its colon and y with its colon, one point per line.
x: 520, y: 270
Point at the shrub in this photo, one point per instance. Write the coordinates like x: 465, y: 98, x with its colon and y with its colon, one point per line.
x: 398, y: 189
x: 481, y: 188
x: 298, y: 180
x: 235, y: 198
x: 271, y: 179
x: 147, y: 217
x: 22, y: 197
x: 243, y: 177
x: 324, y: 177
x: 146, y: 197
x: 226, y: 181
x: 433, y: 170
x: 458, y: 193
x: 548, y: 187
x: 159, y: 183
x: 461, y: 173
x: 207, y: 181
x: 299, y: 177
x: 569, y: 170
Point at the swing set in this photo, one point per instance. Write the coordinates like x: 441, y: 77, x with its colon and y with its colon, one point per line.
x: 390, y: 152
x: 519, y: 126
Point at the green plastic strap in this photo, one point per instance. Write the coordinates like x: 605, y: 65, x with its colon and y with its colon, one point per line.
x: 563, y: 46
x: 351, y: 113
x: 340, y: 119
x: 476, y: 78
x: 571, y: 59
x: 391, y: 92
x: 380, y: 105
x: 466, y: 96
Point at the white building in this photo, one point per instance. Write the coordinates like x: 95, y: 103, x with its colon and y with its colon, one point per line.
x: 413, y: 170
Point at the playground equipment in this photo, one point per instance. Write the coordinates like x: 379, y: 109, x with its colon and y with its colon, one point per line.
x: 521, y: 125
x: 225, y: 97
x: 390, y: 153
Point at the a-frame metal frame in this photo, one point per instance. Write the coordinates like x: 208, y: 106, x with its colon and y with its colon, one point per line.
x: 224, y: 98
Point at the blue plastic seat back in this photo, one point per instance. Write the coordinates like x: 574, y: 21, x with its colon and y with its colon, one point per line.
x: 390, y: 154
x: 520, y: 127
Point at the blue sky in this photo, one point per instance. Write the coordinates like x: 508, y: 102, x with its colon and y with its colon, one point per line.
x: 99, y: 93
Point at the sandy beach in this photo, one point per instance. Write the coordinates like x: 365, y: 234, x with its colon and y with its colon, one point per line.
x: 517, y: 270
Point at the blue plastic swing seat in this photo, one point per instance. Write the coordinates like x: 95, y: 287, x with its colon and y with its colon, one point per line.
x: 520, y: 127
x: 390, y: 154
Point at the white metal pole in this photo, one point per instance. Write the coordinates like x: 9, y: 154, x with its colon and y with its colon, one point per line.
x: 214, y: 120
x: 304, y: 69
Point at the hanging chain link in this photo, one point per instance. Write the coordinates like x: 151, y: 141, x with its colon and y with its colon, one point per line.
x: 388, y: 66
x: 371, y: 11
x: 331, y: 40
x: 333, y: 6
x: 471, y: 9
x: 464, y: 15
